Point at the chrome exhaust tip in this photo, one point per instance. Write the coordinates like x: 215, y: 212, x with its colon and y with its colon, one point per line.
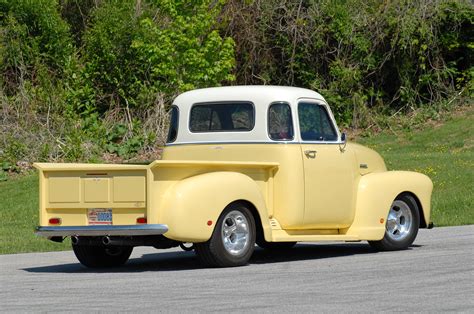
x: 106, y: 240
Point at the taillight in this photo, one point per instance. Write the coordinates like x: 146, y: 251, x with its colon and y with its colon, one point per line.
x: 54, y: 221
x: 141, y: 220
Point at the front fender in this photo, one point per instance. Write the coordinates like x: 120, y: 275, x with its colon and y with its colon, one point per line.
x: 191, y: 203
x: 377, y: 191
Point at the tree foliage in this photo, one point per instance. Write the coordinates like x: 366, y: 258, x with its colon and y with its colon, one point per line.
x: 134, y: 50
x: 80, y: 80
x: 35, y: 42
x: 359, y: 54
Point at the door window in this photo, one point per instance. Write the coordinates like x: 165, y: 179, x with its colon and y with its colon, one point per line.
x: 315, y: 123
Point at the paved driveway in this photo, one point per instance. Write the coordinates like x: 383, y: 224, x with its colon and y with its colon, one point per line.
x: 436, y: 274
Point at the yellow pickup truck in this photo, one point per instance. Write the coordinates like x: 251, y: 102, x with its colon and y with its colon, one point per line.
x: 243, y: 165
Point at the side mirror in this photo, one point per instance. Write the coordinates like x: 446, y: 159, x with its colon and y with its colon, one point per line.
x: 342, y: 145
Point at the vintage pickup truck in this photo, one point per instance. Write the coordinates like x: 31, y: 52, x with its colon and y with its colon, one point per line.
x: 243, y: 165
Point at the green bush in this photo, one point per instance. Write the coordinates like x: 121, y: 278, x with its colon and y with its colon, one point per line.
x: 363, y: 56
x: 137, y: 49
x: 84, y: 80
x: 34, y: 42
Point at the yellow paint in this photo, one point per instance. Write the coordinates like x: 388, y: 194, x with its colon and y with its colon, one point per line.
x: 193, y: 201
x: 376, y: 192
x: 129, y: 188
x: 67, y: 194
x: 96, y: 190
x: 64, y: 189
x: 278, y: 185
x: 330, y: 179
x: 328, y: 197
x: 127, y: 216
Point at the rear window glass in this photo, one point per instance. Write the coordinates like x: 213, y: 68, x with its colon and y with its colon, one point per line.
x: 221, y: 117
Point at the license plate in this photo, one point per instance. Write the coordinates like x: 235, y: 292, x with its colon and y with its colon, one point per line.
x: 99, y: 216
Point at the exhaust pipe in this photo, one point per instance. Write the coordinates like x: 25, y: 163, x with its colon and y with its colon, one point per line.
x: 128, y: 241
x: 106, y: 240
x: 77, y: 240
x: 119, y: 241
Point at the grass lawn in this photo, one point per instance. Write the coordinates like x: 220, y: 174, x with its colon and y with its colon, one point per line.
x: 444, y: 152
x: 19, y: 217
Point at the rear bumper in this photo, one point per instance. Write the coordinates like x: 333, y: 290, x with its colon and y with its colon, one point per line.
x: 107, y: 230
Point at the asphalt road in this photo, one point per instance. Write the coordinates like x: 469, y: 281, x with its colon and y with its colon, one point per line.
x: 436, y: 274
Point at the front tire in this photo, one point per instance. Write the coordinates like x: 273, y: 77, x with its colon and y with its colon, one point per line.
x: 401, y: 227
x: 94, y: 256
x: 233, y: 240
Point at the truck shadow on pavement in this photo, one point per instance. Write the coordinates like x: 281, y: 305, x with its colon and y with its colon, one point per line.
x: 178, y: 261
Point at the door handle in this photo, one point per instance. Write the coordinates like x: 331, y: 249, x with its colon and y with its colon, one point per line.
x: 310, y: 153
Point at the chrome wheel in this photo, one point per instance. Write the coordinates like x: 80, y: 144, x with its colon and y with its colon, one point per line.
x: 235, y: 233
x: 399, y: 221
x: 233, y: 239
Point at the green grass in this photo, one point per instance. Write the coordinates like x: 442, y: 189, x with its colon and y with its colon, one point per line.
x: 19, y: 217
x: 445, y: 153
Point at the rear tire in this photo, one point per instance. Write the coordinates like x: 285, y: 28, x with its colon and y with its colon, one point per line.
x: 401, y: 227
x: 232, y: 241
x: 94, y: 256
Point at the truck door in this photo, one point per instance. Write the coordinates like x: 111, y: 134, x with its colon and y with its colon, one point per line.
x: 328, y: 170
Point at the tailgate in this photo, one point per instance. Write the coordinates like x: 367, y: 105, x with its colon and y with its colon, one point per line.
x: 75, y: 193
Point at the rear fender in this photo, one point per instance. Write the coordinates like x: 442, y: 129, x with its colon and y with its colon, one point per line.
x: 192, y: 206
x: 377, y: 191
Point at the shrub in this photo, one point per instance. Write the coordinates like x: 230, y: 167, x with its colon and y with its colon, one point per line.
x: 364, y: 56
x: 34, y: 44
x: 135, y: 49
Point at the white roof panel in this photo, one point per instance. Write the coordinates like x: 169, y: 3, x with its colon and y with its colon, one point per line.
x: 260, y: 96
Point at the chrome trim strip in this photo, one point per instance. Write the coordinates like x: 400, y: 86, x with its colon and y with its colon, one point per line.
x: 101, y: 230
x: 261, y: 142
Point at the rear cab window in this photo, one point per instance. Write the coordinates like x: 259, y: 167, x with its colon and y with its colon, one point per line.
x: 222, y: 117
x: 315, y: 123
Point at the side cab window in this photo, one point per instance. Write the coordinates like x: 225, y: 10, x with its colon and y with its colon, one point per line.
x: 280, y: 123
x: 173, y: 130
x: 315, y: 123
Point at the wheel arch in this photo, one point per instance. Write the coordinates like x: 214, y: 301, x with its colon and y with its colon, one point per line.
x: 423, y: 223
x: 260, y: 233
x: 375, y: 193
x: 195, y: 201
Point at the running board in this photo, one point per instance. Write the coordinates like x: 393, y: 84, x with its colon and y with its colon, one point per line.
x: 284, y: 236
x: 280, y: 235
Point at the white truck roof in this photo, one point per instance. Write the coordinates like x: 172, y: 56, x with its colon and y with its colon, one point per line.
x: 260, y: 96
